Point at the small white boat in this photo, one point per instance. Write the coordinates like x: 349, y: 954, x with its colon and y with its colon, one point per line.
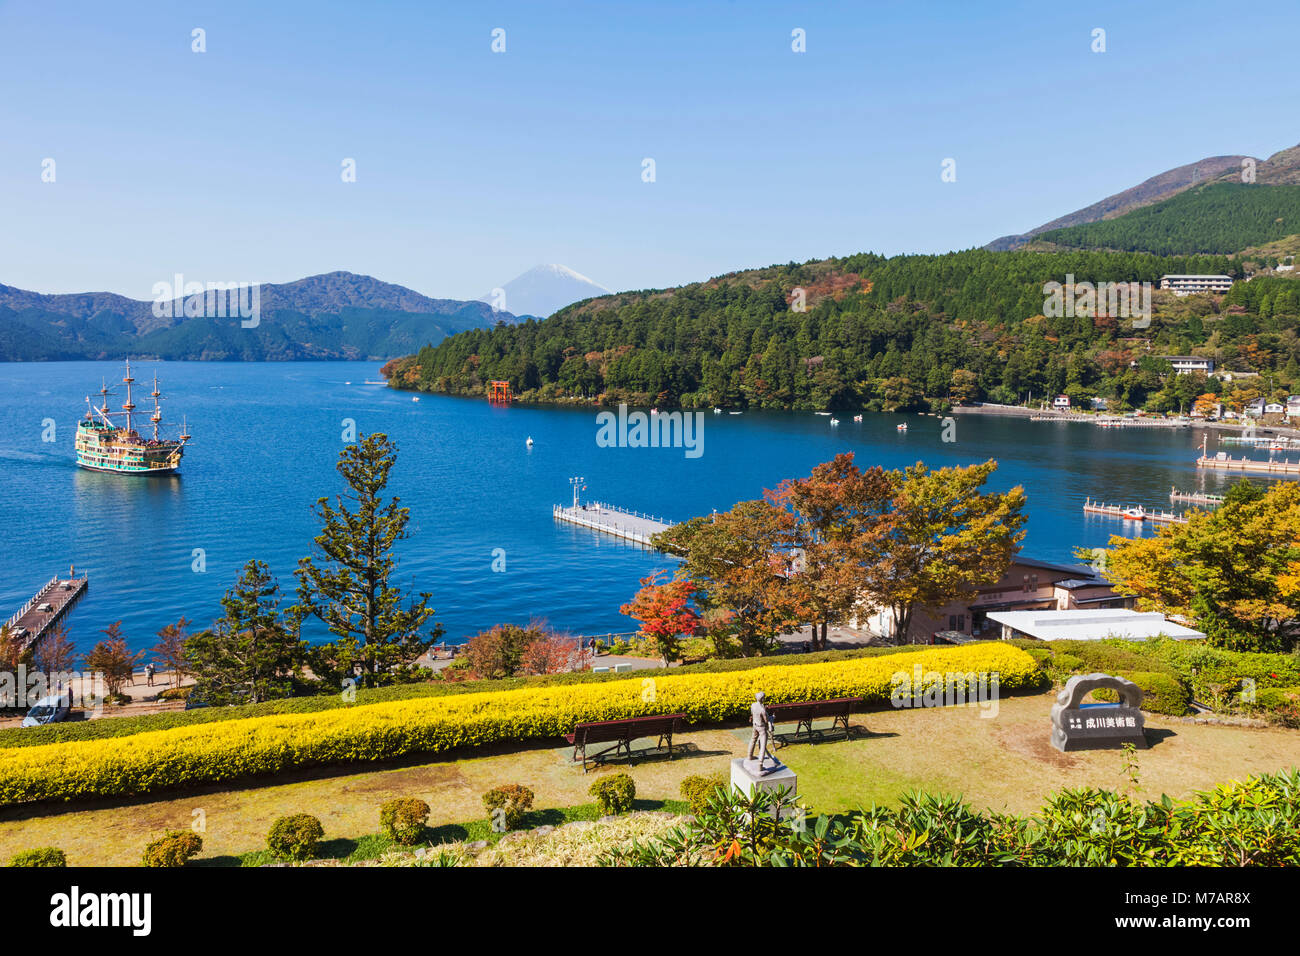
x: 835, y: 421
x: 717, y: 411
x: 821, y: 413
x: 735, y: 413
x: 857, y: 418
x: 1136, y: 513
x: 654, y: 411
x: 415, y: 398
x: 347, y: 383
x: 529, y: 443
x: 903, y: 427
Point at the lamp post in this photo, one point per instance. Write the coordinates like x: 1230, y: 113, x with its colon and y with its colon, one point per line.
x: 577, y: 487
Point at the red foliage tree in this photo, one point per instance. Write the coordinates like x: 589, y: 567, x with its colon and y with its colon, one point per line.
x: 664, y: 612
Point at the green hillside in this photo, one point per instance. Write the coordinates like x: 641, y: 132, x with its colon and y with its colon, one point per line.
x: 1218, y: 218
x: 908, y: 332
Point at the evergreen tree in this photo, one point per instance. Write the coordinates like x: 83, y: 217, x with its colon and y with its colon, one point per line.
x: 348, y: 585
x: 249, y: 655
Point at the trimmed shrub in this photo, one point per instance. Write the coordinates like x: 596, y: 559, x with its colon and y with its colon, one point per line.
x: 226, y: 750
x: 1161, y: 693
x: 42, y: 856
x: 403, y: 819
x: 512, y: 801
x: 699, y: 788
x: 614, y: 793
x: 173, y: 848
x: 295, y: 837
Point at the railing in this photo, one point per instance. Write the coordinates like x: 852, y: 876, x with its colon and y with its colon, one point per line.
x: 33, y: 601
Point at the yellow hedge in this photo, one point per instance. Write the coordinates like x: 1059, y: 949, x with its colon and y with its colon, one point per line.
x: 227, y: 750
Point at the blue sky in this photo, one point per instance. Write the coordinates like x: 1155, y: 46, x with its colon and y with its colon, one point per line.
x: 473, y: 166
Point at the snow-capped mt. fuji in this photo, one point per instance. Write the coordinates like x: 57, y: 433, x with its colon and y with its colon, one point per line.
x: 545, y: 289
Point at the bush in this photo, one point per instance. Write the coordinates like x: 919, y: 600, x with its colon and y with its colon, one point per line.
x: 229, y: 749
x: 614, y: 793
x: 1255, y: 823
x: 403, y: 819
x: 295, y: 837
x: 173, y: 848
x: 512, y: 800
x: 43, y: 856
x: 175, y: 693
x: 698, y: 789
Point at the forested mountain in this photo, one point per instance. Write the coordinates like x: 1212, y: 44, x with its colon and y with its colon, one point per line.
x: 1282, y: 168
x: 338, y: 315
x: 898, y: 333
x: 1222, y: 217
x: 1162, y: 186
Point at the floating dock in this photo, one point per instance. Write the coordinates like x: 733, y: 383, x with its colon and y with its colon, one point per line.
x: 629, y: 525
x: 47, y: 607
x: 1249, y: 465
x: 1195, y: 497
x: 1118, y: 511
x: 1277, y: 442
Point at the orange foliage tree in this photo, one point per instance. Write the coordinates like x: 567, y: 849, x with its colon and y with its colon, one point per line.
x: 664, y: 611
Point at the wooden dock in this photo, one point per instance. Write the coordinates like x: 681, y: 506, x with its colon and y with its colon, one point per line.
x: 46, y: 608
x: 1195, y: 497
x: 1249, y: 465
x: 1118, y: 511
x: 628, y: 525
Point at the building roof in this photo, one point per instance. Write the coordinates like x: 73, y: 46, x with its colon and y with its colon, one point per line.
x: 1093, y: 624
x: 1076, y: 570
x: 1187, y: 275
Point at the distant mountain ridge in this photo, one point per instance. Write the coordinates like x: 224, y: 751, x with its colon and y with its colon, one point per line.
x: 544, y: 290
x: 336, y: 315
x: 1282, y: 168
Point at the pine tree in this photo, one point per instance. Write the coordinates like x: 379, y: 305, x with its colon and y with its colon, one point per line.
x: 249, y: 655
x: 378, y: 629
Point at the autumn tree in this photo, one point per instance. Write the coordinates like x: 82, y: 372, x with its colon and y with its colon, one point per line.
x: 170, y: 649
x: 840, y: 517
x: 549, y: 653
x: 55, y: 652
x: 499, y: 651
x: 249, y: 655
x: 1234, y: 571
x: 740, y: 562
x: 111, y: 659
x: 946, y: 539
x: 349, y: 584
x: 13, y: 649
x: 663, y: 608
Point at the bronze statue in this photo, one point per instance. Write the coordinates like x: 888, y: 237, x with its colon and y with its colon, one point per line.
x: 762, y: 728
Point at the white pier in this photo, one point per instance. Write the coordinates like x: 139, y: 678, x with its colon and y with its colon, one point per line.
x: 629, y: 525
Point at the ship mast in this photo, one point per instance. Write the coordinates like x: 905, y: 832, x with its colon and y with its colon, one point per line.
x: 129, y: 406
x: 156, y: 417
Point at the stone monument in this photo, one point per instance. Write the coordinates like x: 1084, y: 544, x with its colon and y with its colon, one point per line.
x: 765, y: 770
x: 1097, y: 726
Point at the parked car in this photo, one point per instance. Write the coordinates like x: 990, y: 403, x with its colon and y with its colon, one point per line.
x: 49, y: 710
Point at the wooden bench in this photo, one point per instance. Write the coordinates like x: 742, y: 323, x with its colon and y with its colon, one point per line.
x: 803, y: 714
x: 621, y: 733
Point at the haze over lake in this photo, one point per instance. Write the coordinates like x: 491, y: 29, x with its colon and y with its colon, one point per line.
x: 266, y: 438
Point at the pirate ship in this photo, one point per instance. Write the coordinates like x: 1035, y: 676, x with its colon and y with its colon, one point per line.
x: 107, y: 440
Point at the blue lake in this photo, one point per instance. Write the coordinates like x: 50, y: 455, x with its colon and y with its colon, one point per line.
x: 266, y: 439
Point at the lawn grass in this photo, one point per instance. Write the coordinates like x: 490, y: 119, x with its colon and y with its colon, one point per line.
x: 372, y: 846
x: 1003, y: 763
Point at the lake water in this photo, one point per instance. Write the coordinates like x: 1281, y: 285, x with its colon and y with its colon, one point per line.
x: 266, y: 439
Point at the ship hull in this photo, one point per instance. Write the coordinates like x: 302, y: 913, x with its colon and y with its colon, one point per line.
x: 161, y: 470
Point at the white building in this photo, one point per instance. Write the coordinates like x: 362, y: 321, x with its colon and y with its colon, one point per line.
x: 1191, y: 284
x: 1090, y: 625
x: 1061, y: 401
x: 1183, y: 364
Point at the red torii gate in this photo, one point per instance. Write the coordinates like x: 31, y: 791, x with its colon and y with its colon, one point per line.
x: 500, y: 392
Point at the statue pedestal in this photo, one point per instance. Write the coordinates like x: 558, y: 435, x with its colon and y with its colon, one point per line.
x: 745, y: 777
